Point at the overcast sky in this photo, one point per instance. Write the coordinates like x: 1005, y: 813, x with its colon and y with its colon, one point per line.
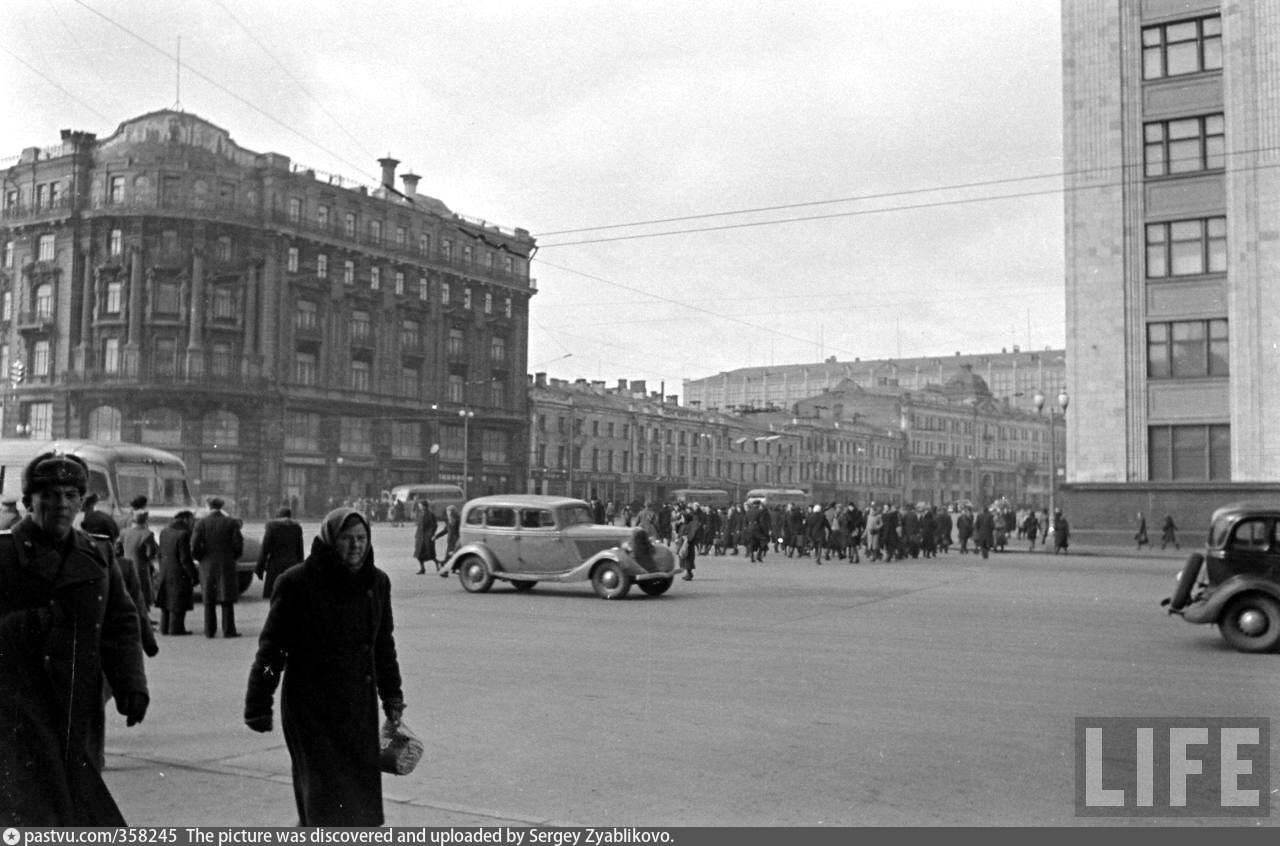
x: 850, y: 165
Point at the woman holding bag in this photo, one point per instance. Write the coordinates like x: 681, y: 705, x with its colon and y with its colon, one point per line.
x: 328, y: 634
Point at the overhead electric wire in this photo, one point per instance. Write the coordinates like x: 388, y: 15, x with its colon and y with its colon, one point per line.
x: 224, y: 89
x: 50, y: 80
x: 296, y: 81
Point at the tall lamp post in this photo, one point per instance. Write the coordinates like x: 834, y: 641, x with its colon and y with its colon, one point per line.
x: 1063, y: 402
x: 466, y: 414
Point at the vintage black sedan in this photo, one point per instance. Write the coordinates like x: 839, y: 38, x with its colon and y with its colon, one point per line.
x: 526, y: 538
x: 1235, y: 582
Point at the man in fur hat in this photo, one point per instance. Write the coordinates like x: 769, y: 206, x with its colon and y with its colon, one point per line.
x: 66, y: 620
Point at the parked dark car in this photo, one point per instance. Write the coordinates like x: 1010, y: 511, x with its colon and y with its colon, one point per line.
x: 525, y: 539
x: 1235, y: 582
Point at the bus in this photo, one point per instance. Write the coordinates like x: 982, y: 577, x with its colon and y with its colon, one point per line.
x: 118, y: 472
x: 440, y: 497
x: 770, y: 497
x: 711, y: 497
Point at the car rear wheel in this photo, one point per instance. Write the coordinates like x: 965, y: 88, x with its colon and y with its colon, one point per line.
x: 610, y: 580
x: 1186, y: 581
x: 655, y: 587
x: 1251, y: 623
x: 475, y: 577
x: 523, y: 587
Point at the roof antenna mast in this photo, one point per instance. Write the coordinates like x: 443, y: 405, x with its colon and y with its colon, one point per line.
x: 177, y: 75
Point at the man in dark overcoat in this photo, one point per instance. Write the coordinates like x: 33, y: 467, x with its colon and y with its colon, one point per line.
x: 216, y: 544
x: 984, y: 531
x: 66, y: 622
x: 281, y: 549
x: 424, y: 538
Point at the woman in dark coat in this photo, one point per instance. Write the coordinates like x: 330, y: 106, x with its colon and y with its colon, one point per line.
x: 424, y: 537
x: 178, y: 575
x: 329, y: 633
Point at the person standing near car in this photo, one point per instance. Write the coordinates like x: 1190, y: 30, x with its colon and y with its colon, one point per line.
x: 424, y: 538
x: 281, y: 549
x: 216, y: 544
x: 175, y: 591
x: 66, y: 623
x: 328, y: 642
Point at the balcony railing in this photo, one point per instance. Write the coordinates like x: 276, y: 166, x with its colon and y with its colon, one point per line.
x: 207, y: 369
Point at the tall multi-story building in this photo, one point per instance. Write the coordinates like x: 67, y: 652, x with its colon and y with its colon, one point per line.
x: 1014, y: 376
x: 1172, y: 159
x: 289, y: 334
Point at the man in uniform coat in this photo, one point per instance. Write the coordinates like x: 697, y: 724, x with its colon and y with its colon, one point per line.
x: 216, y: 544
x: 281, y: 549
x: 66, y: 622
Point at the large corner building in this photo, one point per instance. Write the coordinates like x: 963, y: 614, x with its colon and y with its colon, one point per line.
x: 1172, y: 161
x: 291, y: 335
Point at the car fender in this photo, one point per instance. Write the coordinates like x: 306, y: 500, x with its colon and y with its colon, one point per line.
x: 477, y: 549
x: 1209, y: 608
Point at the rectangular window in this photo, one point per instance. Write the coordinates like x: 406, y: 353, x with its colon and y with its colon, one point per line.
x: 410, y: 334
x: 1185, y: 145
x: 488, y: 303
x: 115, y: 193
x: 8, y: 254
x: 292, y: 261
x: 295, y: 210
x: 356, y: 436
x: 6, y: 313
x: 305, y: 317
x: 1186, y: 247
x: 302, y: 431
x: 455, y: 345
x: 304, y: 368
x: 446, y: 249
x: 220, y: 359
x: 406, y: 440
x: 410, y: 380
x: 375, y: 278
x: 466, y: 298
x: 322, y: 266
x: 165, y: 356
x: 45, y: 248
x: 1190, y: 453
x: 507, y: 308
x: 322, y: 216
x: 375, y: 231
x: 1183, y: 47
x: 498, y: 393
x: 399, y: 283
x: 466, y: 255
x: 444, y: 292
x: 168, y: 298
x: 222, y: 249
x: 44, y: 302
x: 115, y: 244
x: 349, y: 272
x: 40, y: 358
x: 493, y: 446
x: 401, y: 236
x: 360, y: 375
x: 498, y: 350
x: 424, y: 290
x: 224, y: 304
x: 111, y: 355
x: 1188, y: 349
x: 424, y: 244
x: 456, y: 388
x: 349, y: 225
x: 115, y: 297
x: 361, y: 327
x: 40, y: 419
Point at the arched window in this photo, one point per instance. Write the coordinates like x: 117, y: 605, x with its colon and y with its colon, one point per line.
x: 105, y: 423
x: 221, y: 429
x: 161, y: 427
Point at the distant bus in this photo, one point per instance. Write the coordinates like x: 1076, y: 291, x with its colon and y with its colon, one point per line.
x: 712, y: 497
x: 770, y: 497
x: 440, y: 497
x: 118, y: 472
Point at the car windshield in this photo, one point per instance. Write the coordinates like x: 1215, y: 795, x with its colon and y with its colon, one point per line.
x: 1218, y: 532
x: 577, y: 515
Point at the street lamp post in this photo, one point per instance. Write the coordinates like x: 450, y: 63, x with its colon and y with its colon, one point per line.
x: 1063, y: 402
x: 466, y: 414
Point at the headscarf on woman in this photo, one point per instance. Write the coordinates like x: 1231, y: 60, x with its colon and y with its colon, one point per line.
x: 333, y: 524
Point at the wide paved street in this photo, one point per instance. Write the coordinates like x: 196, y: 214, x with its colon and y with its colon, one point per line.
x: 776, y: 693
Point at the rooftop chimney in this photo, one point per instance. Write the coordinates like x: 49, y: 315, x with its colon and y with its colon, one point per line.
x: 638, y: 387
x: 540, y: 380
x: 622, y: 386
x: 389, y: 171
x: 410, y: 181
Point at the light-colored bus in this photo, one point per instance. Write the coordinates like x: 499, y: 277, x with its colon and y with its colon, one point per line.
x: 440, y: 497
x: 711, y: 497
x: 770, y: 497
x: 118, y: 472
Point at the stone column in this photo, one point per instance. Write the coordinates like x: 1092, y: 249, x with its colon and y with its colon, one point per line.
x: 129, y: 356
x: 195, y: 335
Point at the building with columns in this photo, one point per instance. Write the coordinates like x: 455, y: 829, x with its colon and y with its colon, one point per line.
x: 1171, y: 127
x: 289, y: 334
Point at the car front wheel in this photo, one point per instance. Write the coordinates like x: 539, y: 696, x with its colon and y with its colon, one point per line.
x: 1251, y: 623
x: 610, y: 580
x: 655, y: 587
x: 475, y: 577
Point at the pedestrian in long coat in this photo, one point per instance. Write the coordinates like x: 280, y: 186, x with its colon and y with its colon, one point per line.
x: 964, y: 529
x: 281, y: 549
x: 1169, y: 533
x: 1061, y: 533
x: 1031, y: 526
x: 175, y: 591
x: 816, y: 529
x: 984, y: 531
x: 1141, y: 535
x: 329, y: 635
x: 138, y: 544
x: 216, y: 544
x: 66, y: 622
x: 424, y: 538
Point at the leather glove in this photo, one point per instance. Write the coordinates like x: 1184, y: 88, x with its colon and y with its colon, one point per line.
x: 151, y: 649
x: 133, y: 706
x: 394, y: 709
x: 259, y: 722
